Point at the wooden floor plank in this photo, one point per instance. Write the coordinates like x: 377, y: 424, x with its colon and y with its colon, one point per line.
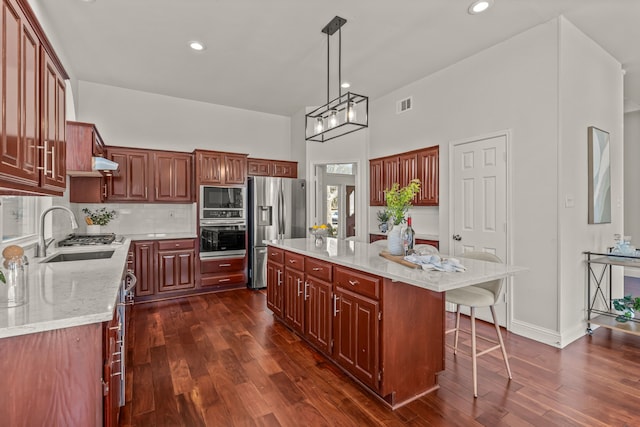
x: 221, y: 360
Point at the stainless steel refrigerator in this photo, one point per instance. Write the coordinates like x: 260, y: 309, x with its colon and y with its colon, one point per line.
x: 277, y: 210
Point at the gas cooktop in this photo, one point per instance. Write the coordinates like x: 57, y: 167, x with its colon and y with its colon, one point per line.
x: 88, y: 239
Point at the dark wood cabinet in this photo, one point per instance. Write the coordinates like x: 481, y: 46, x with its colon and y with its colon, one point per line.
x: 176, y: 269
x: 294, y: 292
x: 223, y: 273
x: 144, y: 261
x: 429, y: 174
x: 376, y: 180
x: 132, y: 184
x: 356, y: 331
x: 277, y: 168
x: 83, y: 143
x: 111, y: 372
x: 218, y: 168
x: 32, y: 131
x: 173, y: 176
x: 422, y: 164
x: 372, y: 322
x: 275, y: 281
x: 53, y: 174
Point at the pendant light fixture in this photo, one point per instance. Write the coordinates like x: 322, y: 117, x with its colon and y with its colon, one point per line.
x: 345, y: 114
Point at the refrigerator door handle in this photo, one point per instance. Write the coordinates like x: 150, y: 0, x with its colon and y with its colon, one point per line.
x: 281, y: 225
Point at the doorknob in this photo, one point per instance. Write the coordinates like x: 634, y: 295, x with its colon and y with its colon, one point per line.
x: 457, y: 237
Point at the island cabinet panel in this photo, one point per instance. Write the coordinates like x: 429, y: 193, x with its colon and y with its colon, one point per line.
x: 275, y: 281
x: 356, y: 332
x: 294, y: 292
x: 387, y: 335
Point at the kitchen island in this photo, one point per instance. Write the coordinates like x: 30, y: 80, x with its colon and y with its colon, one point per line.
x: 59, y: 351
x: 379, y: 321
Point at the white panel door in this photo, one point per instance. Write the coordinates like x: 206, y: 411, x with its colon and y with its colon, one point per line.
x: 479, y: 209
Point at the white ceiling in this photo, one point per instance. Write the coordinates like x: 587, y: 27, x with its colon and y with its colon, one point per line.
x: 270, y: 55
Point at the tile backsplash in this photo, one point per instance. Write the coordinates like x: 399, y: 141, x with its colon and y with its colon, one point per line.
x: 134, y: 218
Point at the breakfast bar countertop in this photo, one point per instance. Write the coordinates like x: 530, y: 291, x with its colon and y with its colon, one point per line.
x: 366, y: 257
x: 67, y: 294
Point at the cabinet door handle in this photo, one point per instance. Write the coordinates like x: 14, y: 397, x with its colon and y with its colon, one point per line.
x: 53, y: 161
x: 104, y: 192
x: 156, y: 192
x: 317, y: 269
x: 353, y: 282
x: 335, y: 305
x: 226, y: 265
x: 306, y: 294
x: 279, y: 277
x: 145, y: 193
x: 299, y: 290
x: 224, y: 280
x: 291, y: 261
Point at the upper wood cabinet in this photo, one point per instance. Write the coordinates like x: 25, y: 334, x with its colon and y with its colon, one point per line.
x: 132, y: 184
x: 173, y: 177
x: 402, y: 168
x: 83, y: 143
x: 277, y: 168
x: 150, y: 176
x: 429, y: 174
x: 218, y: 168
x: 32, y: 136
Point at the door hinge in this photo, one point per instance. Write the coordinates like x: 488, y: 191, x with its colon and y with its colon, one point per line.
x: 331, y: 345
x: 380, y: 375
x: 379, y: 315
x: 105, y: 388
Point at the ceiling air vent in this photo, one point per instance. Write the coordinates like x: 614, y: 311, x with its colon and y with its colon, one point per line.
x: 404, y: 105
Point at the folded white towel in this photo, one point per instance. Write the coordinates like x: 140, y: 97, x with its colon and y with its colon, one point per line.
x: 434, y: 262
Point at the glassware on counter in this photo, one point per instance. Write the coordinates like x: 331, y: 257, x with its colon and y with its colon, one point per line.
x: 13, y: 277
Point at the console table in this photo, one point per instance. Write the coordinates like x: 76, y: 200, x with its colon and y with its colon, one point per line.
x: 599, y: 306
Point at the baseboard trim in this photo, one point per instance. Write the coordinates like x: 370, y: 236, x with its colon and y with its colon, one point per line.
x: 536, y: 333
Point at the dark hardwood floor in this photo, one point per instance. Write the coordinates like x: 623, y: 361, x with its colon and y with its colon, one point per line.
x: 222, y: 360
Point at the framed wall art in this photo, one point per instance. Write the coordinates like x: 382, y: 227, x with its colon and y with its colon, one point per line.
x: 599, y: 177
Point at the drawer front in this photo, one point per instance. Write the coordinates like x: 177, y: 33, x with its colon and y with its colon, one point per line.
x: 176, y: 244
x: 276, y: 255
x: 221, y: 265
x: 354, y: 281
x: 320, y: 269
x: 295, y: 261
x: 224, y: 279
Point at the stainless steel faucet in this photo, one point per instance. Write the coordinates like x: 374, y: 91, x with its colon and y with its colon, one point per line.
x: 41, y: 249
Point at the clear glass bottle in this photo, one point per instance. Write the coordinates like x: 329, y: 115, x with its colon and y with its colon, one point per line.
x: 408, y: 237
x: 13, y: 277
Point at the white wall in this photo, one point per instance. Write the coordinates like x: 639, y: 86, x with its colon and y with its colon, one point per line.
x: 632, y: 176
x: 133, y: 118
x: 591, y: 94
x: 516, y: 86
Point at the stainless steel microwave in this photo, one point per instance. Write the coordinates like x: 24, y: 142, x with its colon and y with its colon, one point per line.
x: 222, y: 203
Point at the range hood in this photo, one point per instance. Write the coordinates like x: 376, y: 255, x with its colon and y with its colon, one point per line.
x: 101, y: 164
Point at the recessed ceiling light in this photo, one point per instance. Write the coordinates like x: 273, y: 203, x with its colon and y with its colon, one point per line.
x: 195, y: 45
x: 480, y: 6
x: 345, y: 85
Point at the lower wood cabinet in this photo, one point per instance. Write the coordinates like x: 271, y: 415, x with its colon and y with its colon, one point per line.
x: 164, y: 267
x: 222, y: 273
x: 388, y: 336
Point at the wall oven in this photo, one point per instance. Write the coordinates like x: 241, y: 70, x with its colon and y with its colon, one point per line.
x: 223, y: 238
x: 222, y: 203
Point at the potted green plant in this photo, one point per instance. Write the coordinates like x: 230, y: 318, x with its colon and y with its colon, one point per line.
x: 626, y: 307
x: 384, y: 216
x: 97, y: 218
x: 398, y: 203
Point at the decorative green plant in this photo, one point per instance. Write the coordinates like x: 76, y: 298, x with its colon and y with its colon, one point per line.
x: 383, y: 216
x: 399, y: 199
x: 627, y: 305
x: 100, y: 216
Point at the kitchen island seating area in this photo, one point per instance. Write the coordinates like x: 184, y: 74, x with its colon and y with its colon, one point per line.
x: 485, y: 294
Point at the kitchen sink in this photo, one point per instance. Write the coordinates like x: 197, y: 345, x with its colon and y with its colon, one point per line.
x: 80, y: 256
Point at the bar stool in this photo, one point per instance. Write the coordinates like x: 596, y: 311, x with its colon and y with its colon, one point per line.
x: 485, y: 294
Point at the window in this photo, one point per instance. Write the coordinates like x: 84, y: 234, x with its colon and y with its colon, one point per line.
x: 19, y: 216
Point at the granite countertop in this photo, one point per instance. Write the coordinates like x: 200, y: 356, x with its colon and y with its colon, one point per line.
x: 66, y: 294
x: 161, y: 236
x: 365, y: 257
